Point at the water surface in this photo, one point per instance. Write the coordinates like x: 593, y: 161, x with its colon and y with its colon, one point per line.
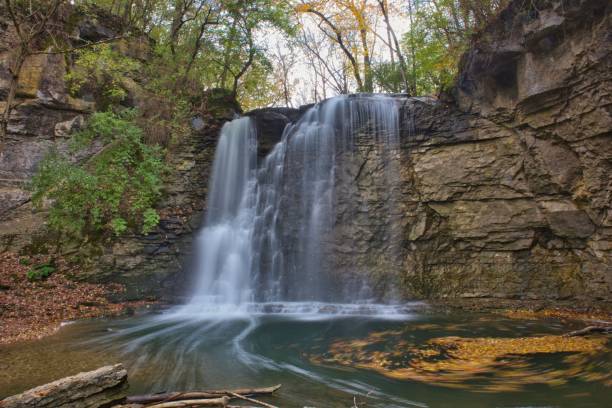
x: 308, y: 349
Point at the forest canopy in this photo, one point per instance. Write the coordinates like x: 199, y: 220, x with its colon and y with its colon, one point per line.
x: 280, y: 52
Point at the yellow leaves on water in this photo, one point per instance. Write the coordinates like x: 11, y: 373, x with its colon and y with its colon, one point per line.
x: 468, y: 348
x: 484, y: 364
x: 527, y: 314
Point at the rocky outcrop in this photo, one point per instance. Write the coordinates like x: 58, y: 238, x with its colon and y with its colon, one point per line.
x: 270, y: 124
x: 503, y: 191
x: 47, y: 114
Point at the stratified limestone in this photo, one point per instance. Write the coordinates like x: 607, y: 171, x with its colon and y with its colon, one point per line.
x: 501, y: 191
x: 504, y: 190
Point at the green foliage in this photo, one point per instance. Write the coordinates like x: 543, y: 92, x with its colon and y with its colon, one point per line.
x: 40, y: 272
x: 388, y: 77
x: 24, y: 261
x: 111, y: 192
x: 100, y: 69
x: 222, y: 54
x: 439, y: 34
x: 150, y: 219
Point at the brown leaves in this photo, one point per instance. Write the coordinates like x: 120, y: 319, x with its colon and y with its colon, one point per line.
x: 303, y: 8
x: 527, y: 314
x: 34, y: 309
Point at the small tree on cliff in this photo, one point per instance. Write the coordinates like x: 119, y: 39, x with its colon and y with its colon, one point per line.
x: 35, y: 27
x: 30, y: 28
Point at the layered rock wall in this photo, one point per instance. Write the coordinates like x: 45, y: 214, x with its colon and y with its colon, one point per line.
x: 46, y: 115
x: 504, y: 191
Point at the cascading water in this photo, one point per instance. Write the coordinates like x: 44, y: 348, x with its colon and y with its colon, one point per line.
x: 269, y: 228
x: 224, y: 246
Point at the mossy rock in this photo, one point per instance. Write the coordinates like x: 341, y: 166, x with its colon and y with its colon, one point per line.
x: 217, y: 102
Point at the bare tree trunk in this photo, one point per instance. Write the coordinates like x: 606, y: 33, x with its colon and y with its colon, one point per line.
x: 226, y: 59
x: 248, y: 62
x: 367, y: 63
x: 400, y: 56
x: 15, y: 71
x: 340, y: 41
x: 411, y: 12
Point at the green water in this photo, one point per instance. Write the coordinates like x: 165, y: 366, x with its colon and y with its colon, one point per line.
x: 169, y: 354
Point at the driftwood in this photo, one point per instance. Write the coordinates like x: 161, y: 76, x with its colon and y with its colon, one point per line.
x: 90, y: 389
x: 590, y: 330
x: 210, y: 402
x: 194, y: 395
x: 106, y: 387
x: 242, y: 397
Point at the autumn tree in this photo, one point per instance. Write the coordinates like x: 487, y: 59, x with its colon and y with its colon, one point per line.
x: 347, y: 24
x: 439, y: 33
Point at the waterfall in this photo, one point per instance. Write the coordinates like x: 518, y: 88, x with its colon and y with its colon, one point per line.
x: 270, y: 226
x: 224, y: 247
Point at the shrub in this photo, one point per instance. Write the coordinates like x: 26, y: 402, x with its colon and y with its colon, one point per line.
x: 40, y: 272
x: 100, y: 70
x: 108, y: 194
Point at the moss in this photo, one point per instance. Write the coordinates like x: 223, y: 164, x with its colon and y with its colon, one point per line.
x: 218, y: 102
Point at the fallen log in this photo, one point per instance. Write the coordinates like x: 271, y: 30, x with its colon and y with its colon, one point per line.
x: 191, y: 395
x: 100, y: 387
x: 590, y: 330
x: 211, y: 402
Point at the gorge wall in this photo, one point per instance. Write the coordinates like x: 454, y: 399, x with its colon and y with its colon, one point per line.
x: 499, y: 190
x: 506, y: 189
x: 47, y: 114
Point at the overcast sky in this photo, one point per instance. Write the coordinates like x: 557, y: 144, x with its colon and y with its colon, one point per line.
x: 302, y: 75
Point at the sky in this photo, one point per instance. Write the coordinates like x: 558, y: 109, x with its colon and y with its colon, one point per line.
x: 302, y: 76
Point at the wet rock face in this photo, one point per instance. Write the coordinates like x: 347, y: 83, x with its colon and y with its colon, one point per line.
x: 505, y: 193
x: 271, y: 123
x: 156, y: 265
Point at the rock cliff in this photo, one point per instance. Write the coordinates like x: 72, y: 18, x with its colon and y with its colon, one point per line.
x: 45, y: 116
x: 504, y: 189
x: 500, y: 189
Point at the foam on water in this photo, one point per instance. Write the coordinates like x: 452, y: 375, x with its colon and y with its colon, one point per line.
x: 209, y: 310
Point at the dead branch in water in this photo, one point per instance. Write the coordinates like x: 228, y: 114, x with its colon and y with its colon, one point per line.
x: 211, y: 402
x: 590, y: 330
x: 196, y: 395
x: 254, y: 401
